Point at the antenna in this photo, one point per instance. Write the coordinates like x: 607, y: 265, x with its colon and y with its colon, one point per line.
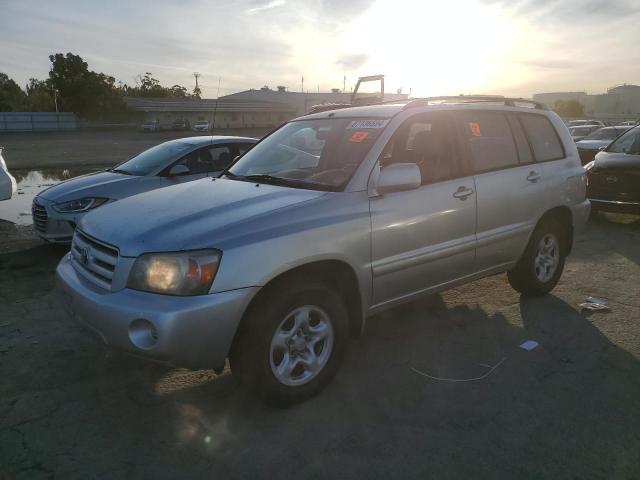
x: 215, y: 108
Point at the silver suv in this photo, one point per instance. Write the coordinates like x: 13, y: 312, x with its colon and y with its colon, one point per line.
x: 335, y: 216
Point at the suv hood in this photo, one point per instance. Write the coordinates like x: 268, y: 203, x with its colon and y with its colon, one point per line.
x: 105, y: 184
x: 186, y: 216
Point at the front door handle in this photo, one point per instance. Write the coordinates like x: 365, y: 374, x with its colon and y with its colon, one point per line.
x: 533, y: 176
x: 463, y: 192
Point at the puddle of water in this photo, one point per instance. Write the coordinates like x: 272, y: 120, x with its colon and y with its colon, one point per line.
x: 30, y: 183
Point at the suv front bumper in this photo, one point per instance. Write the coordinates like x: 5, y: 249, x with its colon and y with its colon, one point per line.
x: 193, y: 332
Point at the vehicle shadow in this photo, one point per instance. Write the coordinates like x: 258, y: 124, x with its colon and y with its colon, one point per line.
x: 567, y: 409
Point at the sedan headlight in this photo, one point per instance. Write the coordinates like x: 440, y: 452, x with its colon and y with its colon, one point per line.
x: 181, y: 273
x: 80, y: 205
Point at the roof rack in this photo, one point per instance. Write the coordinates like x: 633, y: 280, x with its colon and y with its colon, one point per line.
x: 506, y: 101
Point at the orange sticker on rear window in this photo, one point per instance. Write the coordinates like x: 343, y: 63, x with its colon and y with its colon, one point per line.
x: 359, y: 137
x: 475, y: 129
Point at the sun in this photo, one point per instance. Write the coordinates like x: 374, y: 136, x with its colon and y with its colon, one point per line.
x: 433, y: 47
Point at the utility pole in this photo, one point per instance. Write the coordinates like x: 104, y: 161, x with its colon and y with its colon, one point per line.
x: 55, y: 98
x: 344, y: 83
x: 196, y: 91
x: 302, y: 85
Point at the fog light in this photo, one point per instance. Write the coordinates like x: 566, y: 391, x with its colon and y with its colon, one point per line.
x: 143, y: 334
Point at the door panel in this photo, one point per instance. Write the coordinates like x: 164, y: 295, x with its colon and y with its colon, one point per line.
x: 508, y: 207
x: 421, y: 238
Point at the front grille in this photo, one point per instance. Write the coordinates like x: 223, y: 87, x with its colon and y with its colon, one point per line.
x: 93, y: 259
x: 614, y: 184
x: 39, y: 214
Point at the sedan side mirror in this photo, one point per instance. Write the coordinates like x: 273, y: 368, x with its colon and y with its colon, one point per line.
x: 399, y: 177
x: 179, y: 169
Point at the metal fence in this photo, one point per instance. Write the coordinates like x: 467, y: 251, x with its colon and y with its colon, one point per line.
x: 37, y: 121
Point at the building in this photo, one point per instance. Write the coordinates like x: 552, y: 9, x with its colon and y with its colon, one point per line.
x: 225, y: 113
x: 300, y: 102
x: 619, y: 103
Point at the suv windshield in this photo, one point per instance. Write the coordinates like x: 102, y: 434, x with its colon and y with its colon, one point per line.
x: 152, y: 159
x: 603, y: 134
x: 627, y: 143
x: 318, y: 154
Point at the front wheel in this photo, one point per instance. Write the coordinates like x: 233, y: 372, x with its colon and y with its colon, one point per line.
x: 540, y: 267
x: 291, y: 343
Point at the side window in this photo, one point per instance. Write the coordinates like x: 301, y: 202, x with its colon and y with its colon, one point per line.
x: 426, y: 140
x: 489, y: 138
x: 243, y: 147
x: 522, y: 144
x: 628, y: 143
x: 208, y: 159
x: 221, y: 157
x: 543, y: 137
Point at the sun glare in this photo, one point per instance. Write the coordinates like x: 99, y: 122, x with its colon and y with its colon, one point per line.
x: 433, y: 47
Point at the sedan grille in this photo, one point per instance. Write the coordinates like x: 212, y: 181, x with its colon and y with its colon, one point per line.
x: 40, y: 217
x: 93, y: 259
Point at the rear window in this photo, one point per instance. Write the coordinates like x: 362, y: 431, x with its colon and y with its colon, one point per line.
x: 543, y: 137
x: 489, y: 138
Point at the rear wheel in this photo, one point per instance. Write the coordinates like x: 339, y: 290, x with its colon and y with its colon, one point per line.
x: 540, y: 267
x: 291, y: 343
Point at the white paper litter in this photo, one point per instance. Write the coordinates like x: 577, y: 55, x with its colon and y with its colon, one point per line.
x: 529, y: 345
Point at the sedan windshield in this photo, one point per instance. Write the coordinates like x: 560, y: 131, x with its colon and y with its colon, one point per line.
x: 628, y: 143
x: 317, y: 154
x: 152, y: 159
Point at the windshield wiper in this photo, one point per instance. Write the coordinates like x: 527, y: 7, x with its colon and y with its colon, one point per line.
x: 117, y: 170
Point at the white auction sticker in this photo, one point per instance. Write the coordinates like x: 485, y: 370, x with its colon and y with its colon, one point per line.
x: 362, y: 124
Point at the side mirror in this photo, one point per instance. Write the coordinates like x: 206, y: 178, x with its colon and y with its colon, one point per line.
x: 399, y: 177
x: 179, y: 170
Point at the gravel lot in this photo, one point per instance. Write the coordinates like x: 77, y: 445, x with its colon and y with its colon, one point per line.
x: 569, y: 409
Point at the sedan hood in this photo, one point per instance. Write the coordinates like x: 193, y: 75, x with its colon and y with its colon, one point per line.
x: 100, y: 184
x: 186, y: 216
x: 593, y: 144
x: 616, y: 160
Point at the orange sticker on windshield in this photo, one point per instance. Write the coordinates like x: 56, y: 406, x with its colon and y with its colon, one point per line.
x: 475, y: 129
x: 359, y: 137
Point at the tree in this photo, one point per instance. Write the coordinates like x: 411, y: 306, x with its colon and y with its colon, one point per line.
x: 148, y: 86
x: 12, y: 98
x: 40, y: 97
x: 569, y: 108
x: 197, y: 92
x: 87, y: 93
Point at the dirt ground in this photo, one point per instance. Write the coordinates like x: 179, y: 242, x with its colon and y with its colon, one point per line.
x: 89, y: 148
x: 569, y: 409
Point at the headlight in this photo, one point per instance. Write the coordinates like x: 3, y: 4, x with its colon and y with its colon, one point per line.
x: 181, y: 273
x: 81, y: 205
x: 589, y: 165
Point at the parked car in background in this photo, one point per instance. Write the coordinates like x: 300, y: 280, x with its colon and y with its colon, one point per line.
x: 151, y: 126
x: 57, y: 210
x: 614, y: 176
x: 578, y: 133
x: 180, y: 124
x: 578, y: 123
x: 332, y: 218
x: 629, y: 123
x: 7, y: 182
x: 202, y: 126
x: 596, y: 141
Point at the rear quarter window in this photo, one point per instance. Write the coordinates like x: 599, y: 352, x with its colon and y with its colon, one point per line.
x: 543, y: 137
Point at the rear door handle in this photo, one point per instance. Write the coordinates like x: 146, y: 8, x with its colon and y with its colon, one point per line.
x: 533, y: 176
x: 463, y: 192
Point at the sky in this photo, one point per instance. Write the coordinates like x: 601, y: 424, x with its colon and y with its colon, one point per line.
x: 428, y: 47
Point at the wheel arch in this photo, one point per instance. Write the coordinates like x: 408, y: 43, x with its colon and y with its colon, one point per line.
x: 563, y: 215
x: 336, y: 274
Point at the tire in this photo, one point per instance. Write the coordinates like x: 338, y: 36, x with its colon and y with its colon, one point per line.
x: 531, y: 277
x: 262, y: 362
